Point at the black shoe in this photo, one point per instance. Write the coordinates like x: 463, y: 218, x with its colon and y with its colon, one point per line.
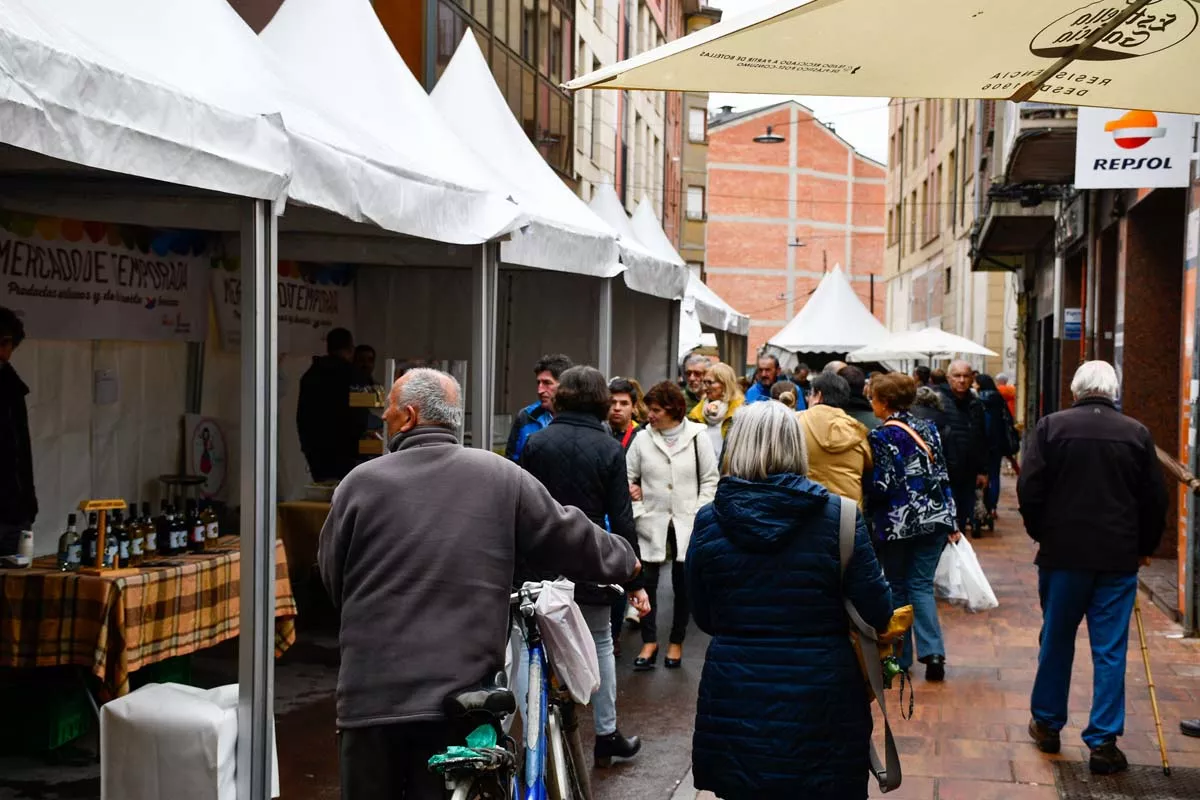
x: 674, y: 663
x: 645, y: 664
x: 935, y: 668
x: 1047, y: 740
x: 616, y: 647
x: 1190, y: 727
x: 615, y: 746
x: 1107, y: 759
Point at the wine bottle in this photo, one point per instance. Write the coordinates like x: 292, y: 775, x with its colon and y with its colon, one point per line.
x: 68, y: 547
x: 90, y: 541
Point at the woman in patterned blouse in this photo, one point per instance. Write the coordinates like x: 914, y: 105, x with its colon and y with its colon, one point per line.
x: 912, y: 508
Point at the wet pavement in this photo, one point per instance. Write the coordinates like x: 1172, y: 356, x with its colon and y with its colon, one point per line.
x: 966, y: 739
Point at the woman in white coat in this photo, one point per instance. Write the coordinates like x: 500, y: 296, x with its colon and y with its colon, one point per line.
x: 672, y: 474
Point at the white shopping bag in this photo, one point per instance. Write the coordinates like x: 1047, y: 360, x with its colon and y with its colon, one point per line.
x: 960, y: 579
x: 568, y: 642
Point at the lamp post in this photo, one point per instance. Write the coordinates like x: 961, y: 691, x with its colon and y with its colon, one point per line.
x: 770, y: 137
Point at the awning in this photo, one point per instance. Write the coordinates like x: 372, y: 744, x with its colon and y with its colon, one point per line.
x: 647, y: 271
x: 174, y: 92
x: 367, y: 142
x: 563, y: 233
x: 1142, y: 55
x: 926, y: 343
x: 833, y: 320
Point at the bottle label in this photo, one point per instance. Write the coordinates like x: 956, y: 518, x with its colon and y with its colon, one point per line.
x: 136, y: 547
x: 198, y: 534
x: 74, y: 554
x: 91, y: 554
x: 178, y: 540
x: 214, y: 530
x: 151, y: 542
x: 124, y: 550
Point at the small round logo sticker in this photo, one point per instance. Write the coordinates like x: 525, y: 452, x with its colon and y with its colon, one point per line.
x: 1155, y: 27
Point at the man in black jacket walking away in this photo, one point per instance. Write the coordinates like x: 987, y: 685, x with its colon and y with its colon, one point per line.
x: 964, y: 439
x: 581, y: 465
x: 18, y: 500
x: 1093, y: 498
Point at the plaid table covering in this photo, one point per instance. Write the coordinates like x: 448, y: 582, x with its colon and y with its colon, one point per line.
x: 115, y: 626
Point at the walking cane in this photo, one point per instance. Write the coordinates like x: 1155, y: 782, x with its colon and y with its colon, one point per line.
x: 1162, y: 744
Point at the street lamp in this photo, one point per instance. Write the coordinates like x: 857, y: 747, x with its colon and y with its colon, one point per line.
x: 770, y: 137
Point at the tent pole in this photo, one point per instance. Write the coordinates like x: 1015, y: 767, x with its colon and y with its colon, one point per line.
x: 604, y: 328
x: 256, y: 641
x: 483, y: 339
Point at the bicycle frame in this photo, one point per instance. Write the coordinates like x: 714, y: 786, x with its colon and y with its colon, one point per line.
x: 533, y: 785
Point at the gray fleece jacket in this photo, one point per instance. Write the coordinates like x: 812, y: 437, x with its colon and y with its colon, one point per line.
x: 418, y: 552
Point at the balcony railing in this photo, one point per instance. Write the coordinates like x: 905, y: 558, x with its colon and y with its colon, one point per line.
x: 1039, y: 142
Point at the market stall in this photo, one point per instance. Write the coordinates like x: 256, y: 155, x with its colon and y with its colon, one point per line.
x: 197, y: 146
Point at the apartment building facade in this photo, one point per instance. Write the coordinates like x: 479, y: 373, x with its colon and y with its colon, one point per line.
x: 782, y: 211
x: 937, y: 182
x: 694, y: 155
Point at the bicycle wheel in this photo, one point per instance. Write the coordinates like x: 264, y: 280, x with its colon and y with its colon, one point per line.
x: 577, y: 760
x: 562, y: 767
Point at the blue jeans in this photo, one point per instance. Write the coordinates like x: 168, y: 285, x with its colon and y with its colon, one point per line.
x: 604, y: 700
x: 909, y: 565
x: 991, y: 497
x: 1106, y: 599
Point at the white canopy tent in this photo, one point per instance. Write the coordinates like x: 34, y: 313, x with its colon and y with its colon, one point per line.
x: 701, y: 305
x: 833, y: 320
x: 118, y: 112
x: 367, y: 142
x: 563, y: 233
x: 928, y: 343
x: 132, y: 87
x: 643, y: 324
x: 657, y: 273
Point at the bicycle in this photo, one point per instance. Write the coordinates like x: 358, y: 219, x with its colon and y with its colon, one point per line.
x: 486, y: 768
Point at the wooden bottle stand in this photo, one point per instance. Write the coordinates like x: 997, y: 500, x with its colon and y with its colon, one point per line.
x: 102, y: 507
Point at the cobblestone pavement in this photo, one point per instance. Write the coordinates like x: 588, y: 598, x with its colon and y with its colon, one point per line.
x: 967, y: 739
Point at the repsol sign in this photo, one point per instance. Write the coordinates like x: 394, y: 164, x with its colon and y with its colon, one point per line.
x: 1114, y: 164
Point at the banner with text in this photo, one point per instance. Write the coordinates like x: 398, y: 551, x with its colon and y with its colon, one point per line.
x: 313, y: 298
x: 1117, y: 149
x: 68, y: 279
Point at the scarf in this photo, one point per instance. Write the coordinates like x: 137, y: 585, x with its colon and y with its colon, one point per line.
x: 714, y: 412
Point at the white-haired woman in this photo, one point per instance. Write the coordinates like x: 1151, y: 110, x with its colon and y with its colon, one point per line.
x: 781, y: 711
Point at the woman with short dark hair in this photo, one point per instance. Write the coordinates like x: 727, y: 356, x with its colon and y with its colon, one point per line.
x: 582, y: 466
x: 910, y: 500
x: 672, y: 471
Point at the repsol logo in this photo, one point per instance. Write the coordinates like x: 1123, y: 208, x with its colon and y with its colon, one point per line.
x: 1115, y: 164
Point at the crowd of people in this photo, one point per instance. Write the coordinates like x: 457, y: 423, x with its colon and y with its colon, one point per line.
x: 734, y: 487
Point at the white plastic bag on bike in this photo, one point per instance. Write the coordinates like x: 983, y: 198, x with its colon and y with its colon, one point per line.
x: 960, y: 579
x: 568, y: 641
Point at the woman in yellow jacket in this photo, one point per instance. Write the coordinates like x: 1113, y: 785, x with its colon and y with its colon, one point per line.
x: 723, y: 397
x: 839, y: 454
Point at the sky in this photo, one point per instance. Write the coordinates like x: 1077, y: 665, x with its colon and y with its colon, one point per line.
x: 862, y: 121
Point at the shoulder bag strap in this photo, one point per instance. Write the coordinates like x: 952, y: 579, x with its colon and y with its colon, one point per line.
x: 887, y: 772
x: 696, y: 453
x: 895, y: 423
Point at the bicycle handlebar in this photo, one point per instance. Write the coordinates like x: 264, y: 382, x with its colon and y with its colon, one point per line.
x: 534, y: 591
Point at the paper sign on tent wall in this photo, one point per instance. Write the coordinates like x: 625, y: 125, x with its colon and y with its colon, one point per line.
x: 69, y: 279
x: 1120, y: 149
x: 313, y: 299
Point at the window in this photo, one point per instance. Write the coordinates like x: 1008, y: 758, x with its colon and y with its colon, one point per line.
x: 952, y: 189
x: 912, y: 222
x: 697, y: 125
x: 598, y: 13
x: 695, y: 202
x: 598, y: 101
x: 916, y: 134
x: 947, y: 280
x: 936, y: 216
x: 891, y: 227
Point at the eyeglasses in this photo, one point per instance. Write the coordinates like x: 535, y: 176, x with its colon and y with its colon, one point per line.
x: 712, y: 383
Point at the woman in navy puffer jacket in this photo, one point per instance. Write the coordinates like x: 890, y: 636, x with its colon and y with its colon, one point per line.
x: 783, y: 710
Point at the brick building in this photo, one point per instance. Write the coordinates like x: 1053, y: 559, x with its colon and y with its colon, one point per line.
x: 779, y: 215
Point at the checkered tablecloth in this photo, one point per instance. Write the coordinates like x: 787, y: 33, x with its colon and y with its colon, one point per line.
x: 113, y: 626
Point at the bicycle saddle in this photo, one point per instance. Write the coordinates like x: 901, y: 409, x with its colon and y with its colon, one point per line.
x: 492, y: 698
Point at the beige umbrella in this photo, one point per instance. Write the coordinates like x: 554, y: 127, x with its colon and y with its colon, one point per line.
x: 1107, y: 53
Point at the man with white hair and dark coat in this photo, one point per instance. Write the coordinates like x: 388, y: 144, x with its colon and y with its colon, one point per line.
x: 1092, y: 496
x: 964, y: 439
x: 420, y: 569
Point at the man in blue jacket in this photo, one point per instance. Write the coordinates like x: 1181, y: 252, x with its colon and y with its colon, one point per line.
x: 766, y: 377
x: 537, y: 416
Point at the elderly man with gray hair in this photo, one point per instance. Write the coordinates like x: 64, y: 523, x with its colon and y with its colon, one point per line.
x: 418, y: 554
x: 1092, y: 496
